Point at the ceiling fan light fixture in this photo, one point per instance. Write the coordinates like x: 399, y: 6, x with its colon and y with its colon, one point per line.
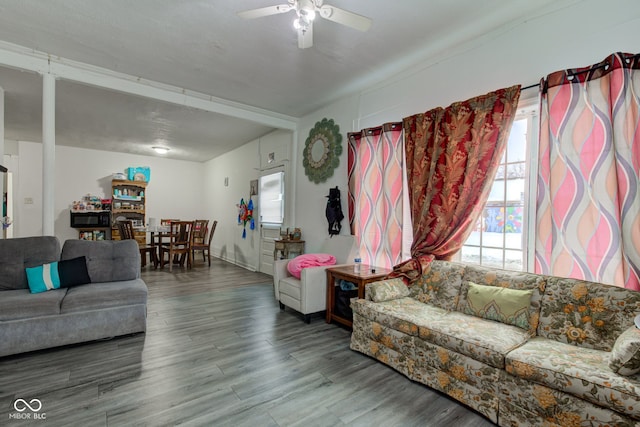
x: 310, y: 15
x: 160, y: 150
x: 307, y: 10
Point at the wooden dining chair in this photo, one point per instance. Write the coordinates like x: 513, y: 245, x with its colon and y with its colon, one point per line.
x: 125, y: 228
x: 199, y: 234
x: 179, y: 244
x: 205, y: 246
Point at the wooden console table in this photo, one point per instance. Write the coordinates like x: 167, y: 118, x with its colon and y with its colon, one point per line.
x: 286, y: 247
x: 359, y: 279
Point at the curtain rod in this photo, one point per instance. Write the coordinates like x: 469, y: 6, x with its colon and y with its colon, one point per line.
x: 575, y: 73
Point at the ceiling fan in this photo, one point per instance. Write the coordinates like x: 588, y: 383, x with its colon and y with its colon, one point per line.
x: 306, y: 11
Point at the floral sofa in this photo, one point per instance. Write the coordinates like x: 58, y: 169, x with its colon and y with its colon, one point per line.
x: 569, y: 356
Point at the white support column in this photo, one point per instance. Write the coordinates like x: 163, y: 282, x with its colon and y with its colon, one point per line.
x: 48, y: 152
x: 2, y: 178
x: 1, y: 125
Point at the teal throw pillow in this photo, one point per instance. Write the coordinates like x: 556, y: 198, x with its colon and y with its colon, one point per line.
x: 43, y: 277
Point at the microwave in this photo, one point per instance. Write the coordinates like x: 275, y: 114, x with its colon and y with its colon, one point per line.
x: 90, y: 219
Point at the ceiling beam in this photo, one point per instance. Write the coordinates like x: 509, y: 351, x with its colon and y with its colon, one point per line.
x: 19, y: 57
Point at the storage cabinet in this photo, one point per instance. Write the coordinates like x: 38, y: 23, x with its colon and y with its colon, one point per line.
x: 128, y: 202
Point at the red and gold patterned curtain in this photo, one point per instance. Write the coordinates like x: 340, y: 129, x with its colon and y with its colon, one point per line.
x: 452, y: 155
x: 588, y: 207
x: 375, y: 168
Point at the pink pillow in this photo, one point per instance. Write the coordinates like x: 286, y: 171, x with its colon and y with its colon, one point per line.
x: 296, y: 265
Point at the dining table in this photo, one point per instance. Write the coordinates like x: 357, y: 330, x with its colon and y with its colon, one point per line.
x: 161, y: 231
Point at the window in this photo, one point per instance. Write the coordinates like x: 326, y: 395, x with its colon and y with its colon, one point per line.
x: 271, y: 197
x: 500, y: 236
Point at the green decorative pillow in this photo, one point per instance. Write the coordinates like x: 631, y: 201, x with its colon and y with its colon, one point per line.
x: 510, y: 306
x: 386, y: 290
x: 625, y: 355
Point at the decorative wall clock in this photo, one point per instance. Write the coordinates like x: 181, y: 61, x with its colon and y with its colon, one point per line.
x: 322, y: 151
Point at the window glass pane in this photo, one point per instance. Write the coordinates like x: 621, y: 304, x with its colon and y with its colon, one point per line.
x: 492, y: 257
x: 517, y: 145
x: 516, y: 170
x: 515, y: 190
x: 497, y: 191
x: 497, y: 240
x: 513, y: 260
x: 493, y: 213
x: 470, y: 254
x: 513, y: 227
x: 271, y: 196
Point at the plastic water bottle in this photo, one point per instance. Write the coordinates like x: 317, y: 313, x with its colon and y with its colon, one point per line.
x: 357, y: 266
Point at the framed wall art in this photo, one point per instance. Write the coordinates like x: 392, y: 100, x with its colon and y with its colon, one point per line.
x: 322, y: 151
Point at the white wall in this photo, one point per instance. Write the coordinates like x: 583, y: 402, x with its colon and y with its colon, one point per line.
x: 175, y: 189
x: 240, y: 166
x: 521, y: 53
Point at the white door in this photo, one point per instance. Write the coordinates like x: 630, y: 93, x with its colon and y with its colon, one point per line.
x: 268, y: 234
x: 271, y: 209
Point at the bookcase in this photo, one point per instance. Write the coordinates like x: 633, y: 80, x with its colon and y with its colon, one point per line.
x: 128, y: 202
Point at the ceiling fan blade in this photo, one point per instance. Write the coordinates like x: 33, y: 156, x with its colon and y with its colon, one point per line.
x: 344, y: 17
x: 305, y: 37
x: 265, y: 11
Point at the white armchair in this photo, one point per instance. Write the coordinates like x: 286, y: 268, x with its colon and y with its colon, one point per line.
x: 309, y: 293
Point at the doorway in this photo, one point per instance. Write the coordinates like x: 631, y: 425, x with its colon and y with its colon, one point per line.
x: 271, y: 190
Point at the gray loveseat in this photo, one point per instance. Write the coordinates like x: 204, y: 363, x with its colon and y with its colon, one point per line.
x: 570, y: 357
x: 113, y: 304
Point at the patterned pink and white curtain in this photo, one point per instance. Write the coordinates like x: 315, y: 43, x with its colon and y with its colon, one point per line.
x: 375, y: 167
x: 588, y: 208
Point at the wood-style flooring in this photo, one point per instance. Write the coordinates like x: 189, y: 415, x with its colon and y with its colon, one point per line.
x: 219, y: 352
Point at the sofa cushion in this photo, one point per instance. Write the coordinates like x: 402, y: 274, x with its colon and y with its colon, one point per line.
x: 510, y: 306
x: 440, y: 286
x: 20, y: 253
x: 582, y: 372
x: 107, y: 260
x: 385, y: 290
x: 21, y: 304
x: 402, y: 314
x: 483, y: 340
x: 95, y: 296
x: 506, y: 279
x: 591, y: 315
x: 625, y: 355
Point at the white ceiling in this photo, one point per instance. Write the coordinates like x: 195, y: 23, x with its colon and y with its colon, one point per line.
x: 202, y: 46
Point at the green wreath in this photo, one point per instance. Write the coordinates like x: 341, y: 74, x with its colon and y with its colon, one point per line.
x: 322, y: 151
